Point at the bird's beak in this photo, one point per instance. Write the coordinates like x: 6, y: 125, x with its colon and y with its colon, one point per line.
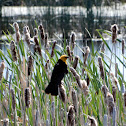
x: 67, y: 57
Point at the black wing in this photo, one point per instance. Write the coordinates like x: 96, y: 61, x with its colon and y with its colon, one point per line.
x: 59, y: 71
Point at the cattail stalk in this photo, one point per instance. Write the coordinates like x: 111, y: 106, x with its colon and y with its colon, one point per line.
x: 53, y: 112
x: 13, y: 104
x: 75, y: 102
x: 114, y: 116
x: 105, y: 120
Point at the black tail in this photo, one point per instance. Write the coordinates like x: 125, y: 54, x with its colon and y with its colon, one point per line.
x: 52, y: 89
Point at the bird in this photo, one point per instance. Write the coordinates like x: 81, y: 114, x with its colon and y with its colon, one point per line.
x: 58, y: 73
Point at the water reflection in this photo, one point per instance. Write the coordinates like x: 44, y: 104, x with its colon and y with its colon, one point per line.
x: 63, y: 20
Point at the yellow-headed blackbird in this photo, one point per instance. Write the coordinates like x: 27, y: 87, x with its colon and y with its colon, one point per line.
x: 59, y: 71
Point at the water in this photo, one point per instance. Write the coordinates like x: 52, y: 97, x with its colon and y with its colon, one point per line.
x: 59, y: 21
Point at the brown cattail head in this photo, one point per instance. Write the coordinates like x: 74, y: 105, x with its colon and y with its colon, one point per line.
x: 2, y: 66
x: 114, y: 29
x: 115, y: 81
x: 76, y: 75
x: 84, y: 87
x: 26, y: 34
x: 93, y: 121
x: 16, y: 26
x: 47, y: 64
x: 13, y: 99
x: 114, y: 92
x: 27, y: 97
x: 5, y: 122
x: 41, y: 29
x: 125, y: 98
x: 72, y: 38
x: 62, y: 93
x: 30, y: 64
x: 71, y: 116
x: 68, y: 51
x: 101, y: 68
x: 46, y: 40
x: 110, y: 102
x: 52, y: 53
x: 37, y: 48
x: 123, y: 46
x: 75, y: 62
x: 86, y: 53
x: 75, y: 102
x: 105, y: 90
x: 35, y: 31
x: 13, y: 51
x: 88, y: 80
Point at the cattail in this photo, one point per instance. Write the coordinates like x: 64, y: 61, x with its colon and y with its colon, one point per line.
x: 114, y: 29
x: 71, y: 116
x: 13, y: 99
x: 53, y: 110
x: 115, y: 81
x: 76, y: 75
x: 30, y: 64
x: 47, y: 64
x: 5, y: 122
x: 2, y: 66
x: 46, y: 42
x: 75, y: 62
x: 13, y: 51
x: 68, y: 51
x: 123, y: 88
x: 52, y: 53
x: 125, y: 98
x: 26, y: 35
x: 27, y: 97
x: 41, y: 29
x: 75, y: 102
x: 84, y: 87
x: 62, y: 93
x: 16, y: 28
x: 72, y: 53
x: 35, y: 31
x: 123, y: 46
x: 105, y: 90
x: 114, y: 92
x: 37, y: 118
x: 87, y: 80
x: 102, y: 49
x: 110, y: 102
x: 72, y: 38
x: 37, y: 48
x: 101, y: 68
x: 93, y: 121
x: 86, y: 53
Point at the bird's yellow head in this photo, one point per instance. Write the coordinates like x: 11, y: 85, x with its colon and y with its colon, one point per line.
x: 64, y: 58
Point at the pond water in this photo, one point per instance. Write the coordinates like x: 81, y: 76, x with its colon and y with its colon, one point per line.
x: 63, y: 20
